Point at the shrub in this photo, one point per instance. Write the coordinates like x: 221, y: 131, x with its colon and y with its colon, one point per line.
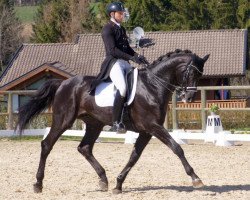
x: 214, y: 108
x: 231, y: 120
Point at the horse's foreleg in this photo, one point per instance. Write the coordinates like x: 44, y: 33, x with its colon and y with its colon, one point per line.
x: 163, y: 135
x: 86, y: 147
x: 140, y: 144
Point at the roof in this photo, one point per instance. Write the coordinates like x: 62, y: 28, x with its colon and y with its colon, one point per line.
x: 56, y: 68
x: 227, y: 49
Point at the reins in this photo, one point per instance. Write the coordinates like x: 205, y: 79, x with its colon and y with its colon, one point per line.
x: 165, y: 84
x: 161, y: 81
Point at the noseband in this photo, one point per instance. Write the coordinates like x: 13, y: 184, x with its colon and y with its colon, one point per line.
x: 186, y: 77
x: 181, y: 89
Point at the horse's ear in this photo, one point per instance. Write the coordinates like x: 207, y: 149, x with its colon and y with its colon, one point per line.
x: 205, y: 58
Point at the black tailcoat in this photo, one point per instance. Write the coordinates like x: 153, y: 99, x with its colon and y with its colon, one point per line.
x: 116, y: 46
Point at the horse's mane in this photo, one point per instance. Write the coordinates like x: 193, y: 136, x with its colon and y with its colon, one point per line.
x: 171, y: 54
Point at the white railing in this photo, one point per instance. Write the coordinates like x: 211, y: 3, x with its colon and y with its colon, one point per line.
x: 180, y: 136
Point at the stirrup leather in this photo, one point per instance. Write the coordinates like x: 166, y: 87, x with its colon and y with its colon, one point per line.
x: 118, y: 127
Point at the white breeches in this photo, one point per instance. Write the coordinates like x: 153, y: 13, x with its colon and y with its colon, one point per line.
x: 117, y: 75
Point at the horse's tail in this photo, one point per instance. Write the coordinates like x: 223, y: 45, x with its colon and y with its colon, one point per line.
x: 39, y: 102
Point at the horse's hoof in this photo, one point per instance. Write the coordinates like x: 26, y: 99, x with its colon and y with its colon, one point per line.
x: 116, y: 191
x: 38, y: 188
x: 197, y: 183
x: 103, y: 186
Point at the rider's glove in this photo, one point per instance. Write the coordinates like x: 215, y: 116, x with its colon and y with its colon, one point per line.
x: 143, y: 59
x: 136, y: 59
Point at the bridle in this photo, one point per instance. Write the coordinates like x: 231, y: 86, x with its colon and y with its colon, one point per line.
x: 186, y: 77
x: 180, y: 89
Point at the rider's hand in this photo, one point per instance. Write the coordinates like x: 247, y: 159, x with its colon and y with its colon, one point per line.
x: 136, y: 59
x: 143, y: 59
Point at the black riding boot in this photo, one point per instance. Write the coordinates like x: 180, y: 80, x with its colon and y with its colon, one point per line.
x: 118, y: 126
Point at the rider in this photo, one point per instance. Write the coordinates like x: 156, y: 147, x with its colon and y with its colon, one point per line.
x: 118, y: 53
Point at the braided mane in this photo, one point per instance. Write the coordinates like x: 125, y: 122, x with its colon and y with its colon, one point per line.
x: 172, y: 54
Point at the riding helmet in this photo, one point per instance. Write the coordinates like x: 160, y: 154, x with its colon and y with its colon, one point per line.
x: 114, y: 7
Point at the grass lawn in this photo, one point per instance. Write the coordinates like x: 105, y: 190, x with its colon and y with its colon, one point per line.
x: 26, y: 13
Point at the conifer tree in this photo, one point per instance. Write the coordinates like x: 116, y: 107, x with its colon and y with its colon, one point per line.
x: 189, y: 15
x: 50, y: 20
x: 61, y: 21
x: 152, y: 15
x: 10, y: 32
x: 223, y: 14
x: 243, y: 14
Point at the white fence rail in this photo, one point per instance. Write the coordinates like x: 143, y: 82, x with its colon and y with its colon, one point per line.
x: 181, y: 136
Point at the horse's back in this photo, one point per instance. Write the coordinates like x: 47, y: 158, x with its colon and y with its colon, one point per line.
x: 76, y: 82
x: 73, y: 88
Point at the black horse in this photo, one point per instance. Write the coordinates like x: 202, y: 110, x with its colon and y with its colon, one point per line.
x: 70, y: 100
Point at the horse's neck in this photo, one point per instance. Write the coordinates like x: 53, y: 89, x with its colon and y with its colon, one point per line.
x: 154, y: 87
x: 166, y: 69
x: 160, y: 80
x: 164, y: 75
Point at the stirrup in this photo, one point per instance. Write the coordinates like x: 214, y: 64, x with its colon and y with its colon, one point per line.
x: 118, y: 127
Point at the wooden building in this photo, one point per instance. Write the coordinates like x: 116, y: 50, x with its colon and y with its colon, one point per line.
x: 34, y: 63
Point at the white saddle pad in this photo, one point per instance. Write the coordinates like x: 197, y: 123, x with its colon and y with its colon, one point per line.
x: 105, y: 92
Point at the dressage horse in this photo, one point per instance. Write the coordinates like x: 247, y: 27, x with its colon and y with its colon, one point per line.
x: 70, y: 100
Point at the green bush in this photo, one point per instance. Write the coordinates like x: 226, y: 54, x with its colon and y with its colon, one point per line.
x: 235, y: 120
x: 189, y: 119
x: 3, y: 122
x: 42, y: 121
x: 231, y: 120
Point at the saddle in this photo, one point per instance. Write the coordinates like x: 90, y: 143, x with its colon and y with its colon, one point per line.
x: 105, y: 92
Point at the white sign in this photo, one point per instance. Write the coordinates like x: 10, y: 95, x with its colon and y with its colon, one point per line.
x: 214, y: 126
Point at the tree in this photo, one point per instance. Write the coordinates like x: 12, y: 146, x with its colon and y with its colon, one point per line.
x: 61, y: 21
x: 152, y: 15
x: 223, y: 14
x: 92, y: 21
x: 208, y: 14
x: 243, y: 14
x: 50, y: 20
x: 189, y: 15
x: 10, y: 32
x: 243, y: 18
x: 149, y: 14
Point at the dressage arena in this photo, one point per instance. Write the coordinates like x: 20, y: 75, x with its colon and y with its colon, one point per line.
x: 158, y: 174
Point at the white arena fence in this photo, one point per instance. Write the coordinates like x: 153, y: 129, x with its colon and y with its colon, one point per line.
x: 223, y: 138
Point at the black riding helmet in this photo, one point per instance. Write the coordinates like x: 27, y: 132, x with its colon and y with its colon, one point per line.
x: 114, y: 7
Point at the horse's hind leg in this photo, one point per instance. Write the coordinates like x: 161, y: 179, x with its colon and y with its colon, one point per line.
x: 59, y: 125
x: 162, y: 134
x: 139, y: 146
x: 93, y: 130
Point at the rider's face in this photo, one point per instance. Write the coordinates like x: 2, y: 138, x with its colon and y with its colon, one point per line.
x: 118, y: 16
